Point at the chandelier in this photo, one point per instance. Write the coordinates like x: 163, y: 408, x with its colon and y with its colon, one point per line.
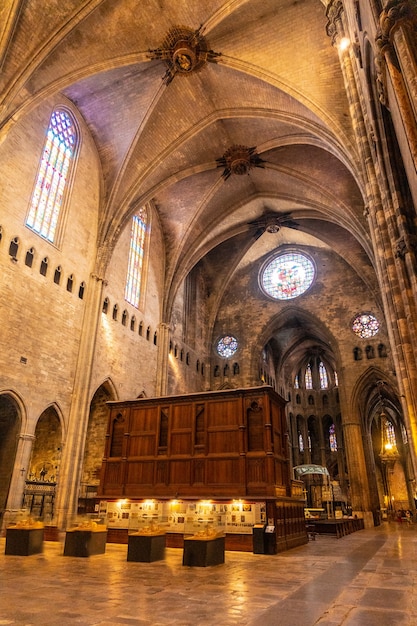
x: 184, y: 51
x: 271, y: 222
x: 239, y: 160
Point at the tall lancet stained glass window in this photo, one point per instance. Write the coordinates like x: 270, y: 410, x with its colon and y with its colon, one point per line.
x: 308, y: 377
x: 332, y: 438
x: 324, y: 381
x: 57, y: 156
x: 134, y: 278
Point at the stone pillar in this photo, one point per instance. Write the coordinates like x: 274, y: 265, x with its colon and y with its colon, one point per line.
x: 17, y: 484
x: 391, y: 239
x: 396, y: 41
x: 162, y: 360
x: 73, y: 448
x: 351, y: 420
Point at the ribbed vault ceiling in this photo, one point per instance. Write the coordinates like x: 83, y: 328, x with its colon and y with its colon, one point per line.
x: 277, y: 86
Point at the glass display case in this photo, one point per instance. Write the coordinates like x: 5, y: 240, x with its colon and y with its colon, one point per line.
x: 23, y: 518
x: 24, y: 534
x: 86, y: 536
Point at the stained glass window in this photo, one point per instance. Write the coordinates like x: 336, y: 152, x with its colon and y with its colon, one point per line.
x: 300, y: 442
x: 336, y: 379
x: 390, y: 434
x: 296, y: 383
x: 136, y: 256
x: 324, y: 382
x: 365, y: 325
x: 61, y: 142
x: 287, y: 276
x: 227, y: 346
x: 309, y: 377
x: 332, y: 438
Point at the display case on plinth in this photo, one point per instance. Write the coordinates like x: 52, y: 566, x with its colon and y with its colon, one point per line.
x: 24, y: 537
x: 203, y: 549
x: 85, y: 538
x: 146, y: 548
x: 147, y: 541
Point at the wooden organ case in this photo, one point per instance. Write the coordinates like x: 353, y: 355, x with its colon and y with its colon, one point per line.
x: 224, y: 446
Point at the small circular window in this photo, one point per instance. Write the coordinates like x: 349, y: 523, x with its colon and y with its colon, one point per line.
x: 365, y: 325
x: 287, y: 276
x: 227, y: 346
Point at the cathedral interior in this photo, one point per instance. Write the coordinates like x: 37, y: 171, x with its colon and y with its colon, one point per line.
x: 209, y: 196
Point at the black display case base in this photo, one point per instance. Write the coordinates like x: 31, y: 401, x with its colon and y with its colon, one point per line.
x: 85, y: 543
x: 202, y: 551
x: 146, y: 548
x: 24, y: 541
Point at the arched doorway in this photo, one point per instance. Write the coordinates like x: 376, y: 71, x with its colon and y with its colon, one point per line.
x: 395, y: 481
x: 303, y: 360
x: 94, y: 448
x: 42, y: 478
x: 10, y: 426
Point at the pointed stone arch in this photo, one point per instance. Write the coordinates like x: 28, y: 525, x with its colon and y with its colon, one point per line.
x: 47, y: 447
x: 94, y: 445
x: 11, y: 419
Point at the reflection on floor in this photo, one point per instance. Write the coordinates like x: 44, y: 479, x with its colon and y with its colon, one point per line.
x: 364, y: 579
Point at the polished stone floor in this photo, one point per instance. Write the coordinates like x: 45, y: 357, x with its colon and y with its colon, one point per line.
x: 365, y: 579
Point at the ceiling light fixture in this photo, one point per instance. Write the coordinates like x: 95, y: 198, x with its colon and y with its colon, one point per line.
x: 239, y: 160
x: 184, y: 51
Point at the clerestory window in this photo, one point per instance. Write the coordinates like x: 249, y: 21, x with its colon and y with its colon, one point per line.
x: 134, y: 279
x: 54, y: 168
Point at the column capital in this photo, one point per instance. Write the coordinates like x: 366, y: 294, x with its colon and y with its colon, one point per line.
x: 334, y: 12
x: 27, y: 437
x: 394, y: 14
x: 99, y: 279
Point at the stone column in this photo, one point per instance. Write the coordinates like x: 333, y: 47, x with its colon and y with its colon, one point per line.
x: 161, y: 387
x: 393, y: 242
x: 396, y: 41
x: 21, y: 466
x: 73, y: 448
x: 351, y: 420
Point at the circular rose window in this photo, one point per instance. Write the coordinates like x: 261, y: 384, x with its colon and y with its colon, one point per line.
x: 365, y: 325
x: 287, y: 276
x: 227, y: 346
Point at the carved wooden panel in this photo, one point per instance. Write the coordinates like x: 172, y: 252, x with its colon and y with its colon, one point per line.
x: 181, y: 443
x: 113, y: 473
x: 163, y: 427
x: 142, y: 445
x: 140, y: 472
x: 199, y: 471
x: 223, y: 413
x: 255, y: 426
x: 199, y: 432
x: 223, y: 441
x: 223, y: 471
x: 144, y: 419
x: 256, y: 470
x: 117, y: 435
x: 182, y: 416
x: 162, y: 472
x: 180, y: 472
